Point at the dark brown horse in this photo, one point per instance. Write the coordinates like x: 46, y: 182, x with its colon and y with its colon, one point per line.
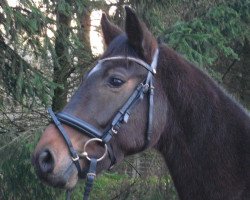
x: 203, y: 134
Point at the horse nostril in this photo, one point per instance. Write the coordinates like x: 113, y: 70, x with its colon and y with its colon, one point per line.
x: 46, y: 161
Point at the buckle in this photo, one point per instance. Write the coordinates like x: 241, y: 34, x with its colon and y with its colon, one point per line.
x: 91, y: 174
x: 113, y: 130
x: 145, y: 87
x: 76, y: 158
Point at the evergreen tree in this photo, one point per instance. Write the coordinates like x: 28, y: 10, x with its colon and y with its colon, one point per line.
x: 40, y: 49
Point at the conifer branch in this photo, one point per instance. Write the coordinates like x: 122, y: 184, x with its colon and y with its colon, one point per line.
x: 15, y: 56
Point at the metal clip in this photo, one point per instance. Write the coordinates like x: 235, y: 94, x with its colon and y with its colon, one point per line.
x: 113, y: 130
x: 84, y: 154
x: 145, y: 87
x: 126, y: 117
x: 91, y: 174
x: 75, y: 159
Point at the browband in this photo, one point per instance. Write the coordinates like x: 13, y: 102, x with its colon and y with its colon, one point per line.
x: 151, y: 68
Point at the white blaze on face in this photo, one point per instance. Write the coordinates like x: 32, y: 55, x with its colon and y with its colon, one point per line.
x: 95, y: 69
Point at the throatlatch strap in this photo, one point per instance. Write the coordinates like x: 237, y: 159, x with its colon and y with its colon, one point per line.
x: 150, y: 113
x: 111, y: 155
x: 90, y: 178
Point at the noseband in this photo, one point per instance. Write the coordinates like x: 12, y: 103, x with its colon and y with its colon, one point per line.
x: 122, y: 116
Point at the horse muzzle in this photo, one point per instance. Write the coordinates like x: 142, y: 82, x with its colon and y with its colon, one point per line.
x: 63, y: 176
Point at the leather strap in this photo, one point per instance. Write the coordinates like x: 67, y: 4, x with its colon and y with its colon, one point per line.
x: 136, y: 60
x: 68, y: 194
x: 90, y: 178
x: 150, y: 114
x: 123, y: 114
x: 72, y: 151
x: 111, y: 155
x: 78, y: 124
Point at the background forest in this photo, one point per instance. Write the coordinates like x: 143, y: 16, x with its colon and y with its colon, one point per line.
x: 45, y: 49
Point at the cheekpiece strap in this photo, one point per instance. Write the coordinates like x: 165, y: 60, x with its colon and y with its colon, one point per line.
x: 72, y: 151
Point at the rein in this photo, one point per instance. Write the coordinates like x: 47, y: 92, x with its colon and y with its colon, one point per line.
x: 122, y: 116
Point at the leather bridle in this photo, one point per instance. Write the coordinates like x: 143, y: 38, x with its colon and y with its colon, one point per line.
x: 122, y: 116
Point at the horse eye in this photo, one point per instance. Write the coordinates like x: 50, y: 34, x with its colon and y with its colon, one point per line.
x: 115, y: 82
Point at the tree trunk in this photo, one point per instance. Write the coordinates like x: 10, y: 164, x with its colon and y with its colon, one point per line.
x: 84, y: 34
x: 84, y: 31
x: 62, y: 66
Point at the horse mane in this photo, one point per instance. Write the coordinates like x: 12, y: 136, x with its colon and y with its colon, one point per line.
x: 208, y: 137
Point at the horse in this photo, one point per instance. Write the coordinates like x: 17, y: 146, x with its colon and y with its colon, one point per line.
x: 142, y: 94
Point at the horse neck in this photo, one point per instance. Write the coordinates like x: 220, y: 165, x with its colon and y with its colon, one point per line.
x: 206, y: 134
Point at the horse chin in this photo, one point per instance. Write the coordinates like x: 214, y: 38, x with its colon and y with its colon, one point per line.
x: 65, y: 179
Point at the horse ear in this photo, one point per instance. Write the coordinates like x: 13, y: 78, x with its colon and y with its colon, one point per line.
x: 109, y: 30
x: 139, y: 36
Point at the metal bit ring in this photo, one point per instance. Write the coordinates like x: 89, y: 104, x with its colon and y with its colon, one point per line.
x: 85, y: 154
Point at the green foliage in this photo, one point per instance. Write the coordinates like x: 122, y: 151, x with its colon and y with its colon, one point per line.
x: 205, y: 39
x: 23, y: 84
x: 28, y: 55
x: 155, y: 15
x: 205, y: 32
x: 17, y: 177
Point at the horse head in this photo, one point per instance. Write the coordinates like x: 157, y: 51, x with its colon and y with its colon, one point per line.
x: 112, y: 99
